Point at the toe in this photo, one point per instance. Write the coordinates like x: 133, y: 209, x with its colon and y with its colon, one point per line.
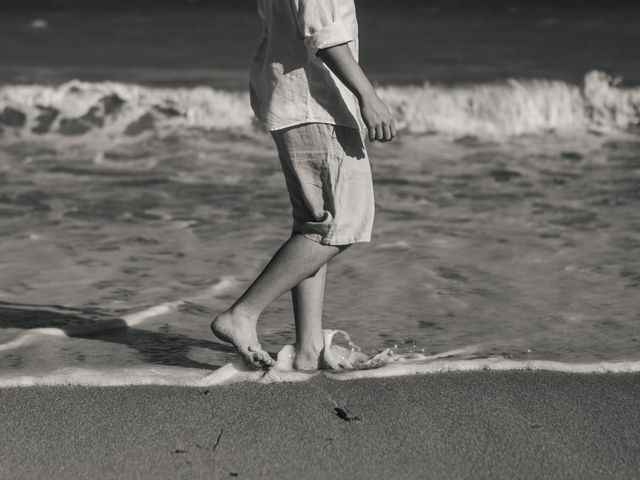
x: 249, y: 358
x: 262, y: 358
x: 266, y: 359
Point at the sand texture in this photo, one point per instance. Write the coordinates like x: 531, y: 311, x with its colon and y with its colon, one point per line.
x: 459, y: 425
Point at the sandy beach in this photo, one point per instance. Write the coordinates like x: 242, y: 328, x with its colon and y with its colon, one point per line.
x: 498, y: 299
x: 456, y: 425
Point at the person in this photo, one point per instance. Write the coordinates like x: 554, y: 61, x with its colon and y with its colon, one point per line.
x: 308, y: 90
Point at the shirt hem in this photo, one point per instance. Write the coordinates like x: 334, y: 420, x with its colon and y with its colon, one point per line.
x: 313, y: 120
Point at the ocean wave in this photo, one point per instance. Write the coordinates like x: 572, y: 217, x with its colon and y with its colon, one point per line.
x: 514, y: 107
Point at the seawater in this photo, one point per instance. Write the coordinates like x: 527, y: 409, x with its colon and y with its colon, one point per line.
x: 138, y: 198
x: 507, y: 232
x: 342, y: 364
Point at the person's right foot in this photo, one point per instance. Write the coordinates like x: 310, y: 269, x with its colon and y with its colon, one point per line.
x: 240, y: 331
x: 307, y: 358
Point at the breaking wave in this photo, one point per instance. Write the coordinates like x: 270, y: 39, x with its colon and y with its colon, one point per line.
x: 495, y: 110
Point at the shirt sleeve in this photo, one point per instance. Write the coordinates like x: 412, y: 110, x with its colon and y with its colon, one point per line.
x: 322, y: 24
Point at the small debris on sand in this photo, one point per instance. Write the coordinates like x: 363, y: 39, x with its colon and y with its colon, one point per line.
x: 346, y: 416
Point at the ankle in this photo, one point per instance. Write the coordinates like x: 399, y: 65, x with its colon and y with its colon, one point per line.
x: 307, y: 356
x: 241, y: 312
x: 312, y: 349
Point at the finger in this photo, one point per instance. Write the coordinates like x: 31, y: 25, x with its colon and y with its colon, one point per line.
x: 379, y: 132
x: 387, y: 133
x: 394, y: 129
x: 372, y: 134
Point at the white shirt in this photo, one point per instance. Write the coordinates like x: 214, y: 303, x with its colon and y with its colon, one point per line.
x: 289, y: 83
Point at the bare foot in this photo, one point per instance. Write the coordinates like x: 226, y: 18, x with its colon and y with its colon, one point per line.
x: 307, y: 358
x: 240, y: 331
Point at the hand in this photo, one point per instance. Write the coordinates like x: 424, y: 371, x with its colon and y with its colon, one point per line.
x: 378, y: 119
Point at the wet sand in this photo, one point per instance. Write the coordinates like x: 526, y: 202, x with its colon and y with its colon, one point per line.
x: 460, y: 425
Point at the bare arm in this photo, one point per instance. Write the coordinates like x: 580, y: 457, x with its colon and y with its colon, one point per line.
x: 376, y: 115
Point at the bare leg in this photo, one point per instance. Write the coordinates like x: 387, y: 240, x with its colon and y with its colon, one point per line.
x: 297, y: 259
x: 308, y: 297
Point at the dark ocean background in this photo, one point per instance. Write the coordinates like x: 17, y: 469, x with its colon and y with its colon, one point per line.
x: 210, y: 42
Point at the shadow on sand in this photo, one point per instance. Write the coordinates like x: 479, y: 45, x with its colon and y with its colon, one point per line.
x: 153, y: 347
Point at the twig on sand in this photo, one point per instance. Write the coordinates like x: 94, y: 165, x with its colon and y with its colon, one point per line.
x: 217, y: 440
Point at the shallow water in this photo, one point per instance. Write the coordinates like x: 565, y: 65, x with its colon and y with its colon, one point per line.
x: 507, y: 230
x: 525, y: 249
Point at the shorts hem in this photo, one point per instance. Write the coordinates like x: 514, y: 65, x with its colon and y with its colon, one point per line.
x: 334, y: 241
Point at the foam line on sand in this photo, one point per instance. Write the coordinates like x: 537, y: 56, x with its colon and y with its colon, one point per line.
x: 237, y: 373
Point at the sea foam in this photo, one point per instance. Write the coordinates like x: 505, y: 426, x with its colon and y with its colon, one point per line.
x: 493, y: 110
x: 337, y: 362
x: 340, y: 363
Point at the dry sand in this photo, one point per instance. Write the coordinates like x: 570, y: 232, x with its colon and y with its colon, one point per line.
x: 458, y: 425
